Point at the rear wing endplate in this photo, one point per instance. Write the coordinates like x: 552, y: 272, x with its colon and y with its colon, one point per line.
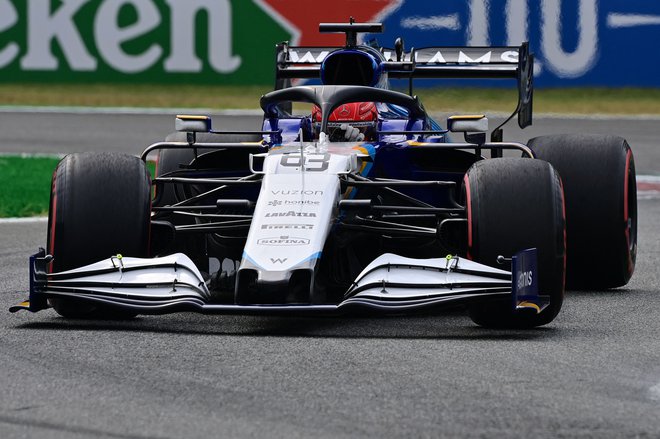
x: 502, y: 62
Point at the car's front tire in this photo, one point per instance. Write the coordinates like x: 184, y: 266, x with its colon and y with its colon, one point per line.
x: 513, y: 205
x: 99, y: 207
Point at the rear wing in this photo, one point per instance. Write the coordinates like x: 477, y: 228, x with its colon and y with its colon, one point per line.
x: 514, y: 62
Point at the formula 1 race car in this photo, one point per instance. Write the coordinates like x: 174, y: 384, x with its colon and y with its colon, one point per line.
x: 361, y: 205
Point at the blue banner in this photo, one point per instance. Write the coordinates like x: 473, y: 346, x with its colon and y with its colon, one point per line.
x: 576, y: 42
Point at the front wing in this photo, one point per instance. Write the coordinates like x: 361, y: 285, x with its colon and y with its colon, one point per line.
x: 173, y: 283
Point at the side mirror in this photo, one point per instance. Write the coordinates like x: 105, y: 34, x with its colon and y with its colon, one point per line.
x: 193, y: 124
x: 467, y: 124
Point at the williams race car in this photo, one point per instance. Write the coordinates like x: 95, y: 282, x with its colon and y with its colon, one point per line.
x: 362, y: 205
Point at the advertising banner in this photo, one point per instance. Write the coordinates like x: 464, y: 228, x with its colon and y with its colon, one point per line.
x: 576, y: 42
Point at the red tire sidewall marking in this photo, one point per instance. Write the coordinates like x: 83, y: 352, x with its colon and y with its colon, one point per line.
x: 53, y: 219
x: 153, y: 192
x: 468, y: 203
x: 563, y: 212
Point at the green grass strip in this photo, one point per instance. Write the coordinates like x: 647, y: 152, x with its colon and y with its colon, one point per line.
x: 450, y: 99
x: 25, y: 185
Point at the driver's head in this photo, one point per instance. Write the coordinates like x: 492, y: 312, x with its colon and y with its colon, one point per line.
x: 350, y: 122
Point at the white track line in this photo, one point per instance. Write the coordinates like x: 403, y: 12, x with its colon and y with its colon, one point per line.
x: 648, y: 187
x: 31, y: 220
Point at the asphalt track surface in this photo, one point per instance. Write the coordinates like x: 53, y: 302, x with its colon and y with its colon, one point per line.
x: 593, y: 372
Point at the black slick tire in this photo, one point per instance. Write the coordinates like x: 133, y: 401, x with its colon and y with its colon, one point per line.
x: 99, y: 207
x: 598, y: 173
x: 515, y: 204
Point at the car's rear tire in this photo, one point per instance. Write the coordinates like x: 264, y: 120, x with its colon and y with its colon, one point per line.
x: 598, y: 173
x: 515, y: 204
x: 99, y: 207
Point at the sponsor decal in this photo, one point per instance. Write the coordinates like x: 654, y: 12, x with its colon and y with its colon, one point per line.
x: 287, y: 226
x: 353, y: 124
x: 301, y: 203
x: 283, y: 241
x: 524, y: 273
x: 293, y: 203
x: 344, y: 111
x: 525, y: 279
x: 472, y: 57
x: 278, y: 260
x: 290, y: 213
x: 297, y: 192
x: 308, y: 57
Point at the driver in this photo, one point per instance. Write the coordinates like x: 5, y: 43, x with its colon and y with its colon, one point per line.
x: 352, y: 122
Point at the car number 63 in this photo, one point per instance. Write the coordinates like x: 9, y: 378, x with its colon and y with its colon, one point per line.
x: 313, y: 162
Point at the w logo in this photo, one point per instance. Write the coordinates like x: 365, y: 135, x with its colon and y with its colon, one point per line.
x: 278, y: 260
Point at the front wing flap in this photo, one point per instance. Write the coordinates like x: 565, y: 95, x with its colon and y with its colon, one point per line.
x: 398, y: 283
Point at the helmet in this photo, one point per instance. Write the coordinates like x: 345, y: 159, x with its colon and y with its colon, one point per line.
x: 361, y: 117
